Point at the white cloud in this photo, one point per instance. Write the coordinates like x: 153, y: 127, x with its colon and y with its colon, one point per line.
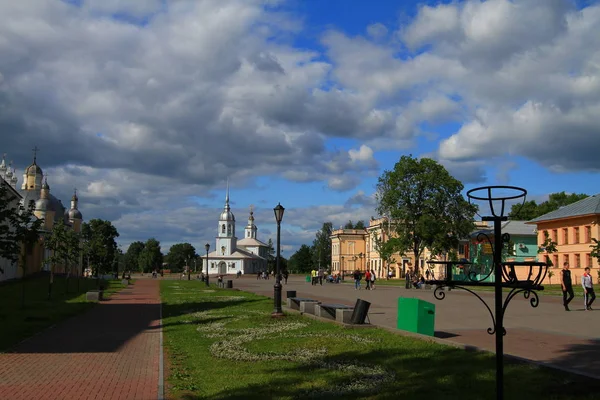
x: 206, y: 90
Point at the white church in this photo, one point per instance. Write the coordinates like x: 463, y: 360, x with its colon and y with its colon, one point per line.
x: 248, y: 255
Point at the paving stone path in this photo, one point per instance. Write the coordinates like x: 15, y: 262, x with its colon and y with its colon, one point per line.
x: 546, y: 334
x: 110, y: 352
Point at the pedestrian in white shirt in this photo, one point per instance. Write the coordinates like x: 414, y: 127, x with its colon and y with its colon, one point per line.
x: 588, y: 289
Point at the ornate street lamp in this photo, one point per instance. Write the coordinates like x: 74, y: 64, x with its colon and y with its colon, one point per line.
x: 501, y: 275
x: 207, y: 247
x: 278, y: 312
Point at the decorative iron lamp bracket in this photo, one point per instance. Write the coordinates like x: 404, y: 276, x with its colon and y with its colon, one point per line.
x: 503, y: 273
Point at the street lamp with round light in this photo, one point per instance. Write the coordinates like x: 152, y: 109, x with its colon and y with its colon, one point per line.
x: 278, y: 312
x: 207, y: 247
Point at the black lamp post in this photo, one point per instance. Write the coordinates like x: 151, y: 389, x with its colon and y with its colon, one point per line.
x: 277, y: 312
x: 207, y: 247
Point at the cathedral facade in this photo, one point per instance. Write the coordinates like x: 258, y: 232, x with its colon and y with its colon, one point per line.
x: 35, y: 190
x: 230, y: 256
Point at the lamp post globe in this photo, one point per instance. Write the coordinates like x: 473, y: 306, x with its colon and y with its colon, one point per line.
x: 207, y: 247
x: 278, y: 312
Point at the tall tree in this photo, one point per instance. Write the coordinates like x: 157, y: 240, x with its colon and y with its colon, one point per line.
x: 548, y: 247
x: 56, y: 242
x: 301, y: 260
x: 321, y: 248
x: 386, y: 249
x: 270, y: 256
x: 181, y: 254
x: 19, y: 231
x: 360, y: 225
x: 349, y: 225
x: 530, y: 209
x: 426, y: 205
x: 99, y: 244
x: 132, y: 256
x: 151, y: 257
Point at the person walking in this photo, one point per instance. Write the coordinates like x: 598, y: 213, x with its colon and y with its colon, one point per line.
x: 357, y: 277
x: 321, y: 273
x: 408, y: 279
x: 285, y: 275
x: 368, y: 280
x: 588, y: 289
x: 373, y: 278
x: 566, y: 285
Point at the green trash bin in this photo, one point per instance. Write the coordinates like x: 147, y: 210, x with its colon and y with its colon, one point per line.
x: 308, y: 278
x: 416, y: 315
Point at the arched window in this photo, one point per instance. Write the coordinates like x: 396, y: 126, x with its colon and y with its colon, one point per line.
x: 223, y: 228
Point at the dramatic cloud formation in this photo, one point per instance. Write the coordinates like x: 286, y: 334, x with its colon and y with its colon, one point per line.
x: 148, y: 106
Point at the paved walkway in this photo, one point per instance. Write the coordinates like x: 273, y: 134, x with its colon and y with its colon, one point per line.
x: 110, y: 352
x: 548, y: 334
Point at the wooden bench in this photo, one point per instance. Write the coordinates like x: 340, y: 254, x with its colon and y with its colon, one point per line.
x: 296, y: 303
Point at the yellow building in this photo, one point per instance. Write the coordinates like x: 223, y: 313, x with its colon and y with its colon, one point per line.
x: 572, y: 227
x: 348, y: 250
x: 35, y: 190
x: 355, y: 249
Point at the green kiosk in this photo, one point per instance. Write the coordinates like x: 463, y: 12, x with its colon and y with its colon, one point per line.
x: 416, y: 315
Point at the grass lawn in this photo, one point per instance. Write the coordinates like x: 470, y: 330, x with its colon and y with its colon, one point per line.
x: 223, y: 344
x: 39, y: 313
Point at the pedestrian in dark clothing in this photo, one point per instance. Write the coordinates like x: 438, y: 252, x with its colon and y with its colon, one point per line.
x: 567, y: 285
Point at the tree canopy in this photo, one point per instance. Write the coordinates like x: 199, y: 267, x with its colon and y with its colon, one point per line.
x: 426, y: 204
x: 18, y: 226
x: 99, y: 244
x: 302, y: 260
x: 151, y: 258
x: 359, y: 225
x: 531, y: 209
x: 180, y: 255
x: 321, y: 247
x: 132, y: 256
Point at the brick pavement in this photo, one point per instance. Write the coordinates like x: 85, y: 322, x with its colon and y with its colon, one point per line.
x: 546, y: 334
x: 110, y: 352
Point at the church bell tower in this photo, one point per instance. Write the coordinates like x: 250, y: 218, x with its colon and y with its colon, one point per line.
x: 226, y: 240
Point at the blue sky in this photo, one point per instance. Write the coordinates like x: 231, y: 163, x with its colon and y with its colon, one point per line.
x: 163, y: 101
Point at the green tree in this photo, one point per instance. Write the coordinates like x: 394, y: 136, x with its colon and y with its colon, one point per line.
x: 302, y: 259
x: 321, y: 247
x: 180, y: 255
x: 99, y: 245
x: 386, y: 249
x: 426, y: 205
x: 548, y: 247
x: 349, y: 225
x: 530, y: 209
x: 19, y: 231
x: 360, y: 225
x: 270, y: 256
x: 151, y: 257
x: 56, y: 242
x: 132, y: 256
x: 596, y: 253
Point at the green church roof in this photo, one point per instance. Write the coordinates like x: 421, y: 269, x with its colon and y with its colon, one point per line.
x: 589, y: 205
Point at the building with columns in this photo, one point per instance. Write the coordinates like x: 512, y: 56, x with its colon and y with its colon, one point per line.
x: 230, y: 256
x: 36, y: 190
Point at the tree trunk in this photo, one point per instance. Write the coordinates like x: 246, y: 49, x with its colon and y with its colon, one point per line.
x: 51, y: 282
x: 23, y: 292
